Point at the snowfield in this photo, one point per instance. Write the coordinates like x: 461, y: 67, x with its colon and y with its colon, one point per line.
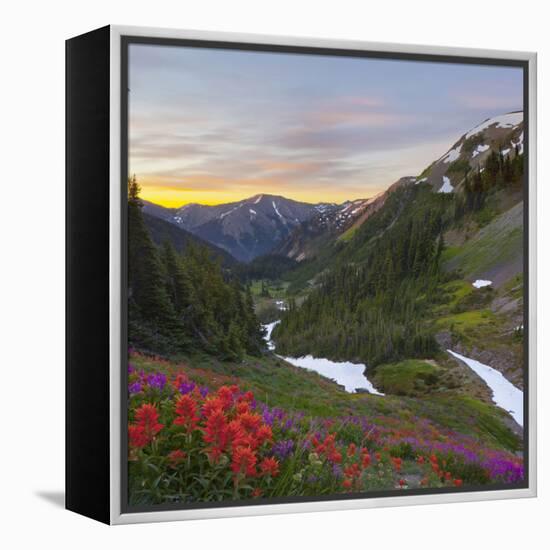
x: 502, y: 121
x: 505, y: 394
x: 447, y: 186
x: 349, y: 375
x: 480, y: 283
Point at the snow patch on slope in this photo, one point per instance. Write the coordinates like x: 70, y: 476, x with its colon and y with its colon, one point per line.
x: 505, y: 394
x: 480, y: 283
x: 520, y: 143
x: 447, y: 186
x: 277, y: 211
x: 222, y: 216
x: 479, y: 149
x: 453, y: 154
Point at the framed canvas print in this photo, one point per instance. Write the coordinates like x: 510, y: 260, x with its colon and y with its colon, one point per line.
x: 300, y: 274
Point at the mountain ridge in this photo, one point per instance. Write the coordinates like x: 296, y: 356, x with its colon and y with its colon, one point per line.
x: 250, y: 227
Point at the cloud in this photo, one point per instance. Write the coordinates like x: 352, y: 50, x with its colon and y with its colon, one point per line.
x: 207, y: 120
x: 485, y: 102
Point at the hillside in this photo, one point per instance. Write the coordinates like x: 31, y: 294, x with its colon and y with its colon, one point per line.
x: 246, y: 229
x: 330, y: 221
x: 402, y: 285
x: 418, y: 290
x: 161, y: 231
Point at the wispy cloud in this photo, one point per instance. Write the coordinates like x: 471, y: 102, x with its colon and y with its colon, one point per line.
x: 211, y: 125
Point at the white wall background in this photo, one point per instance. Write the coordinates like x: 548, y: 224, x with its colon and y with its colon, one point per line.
x: 32, y: 271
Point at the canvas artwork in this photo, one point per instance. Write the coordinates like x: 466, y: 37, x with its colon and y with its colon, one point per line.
x: 325, y: 264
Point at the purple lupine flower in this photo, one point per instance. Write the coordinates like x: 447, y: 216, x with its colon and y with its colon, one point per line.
x: 134, y: 387
x: 131, y: 368
x: 337, y: 471
x: 283, y: 449
x: 503, y: 469
x: 288, y: 424
x: 268, y: 417
x: 186, y: 387
x: 157, y: 380
x: 203, y: 391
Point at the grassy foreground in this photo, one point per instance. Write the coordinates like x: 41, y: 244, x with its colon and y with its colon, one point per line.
x: 201, y: 430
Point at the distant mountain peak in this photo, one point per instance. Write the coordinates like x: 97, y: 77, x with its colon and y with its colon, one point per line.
x: 246, y: 228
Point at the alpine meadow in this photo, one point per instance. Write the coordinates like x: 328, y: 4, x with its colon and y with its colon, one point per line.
x: 325, y: 288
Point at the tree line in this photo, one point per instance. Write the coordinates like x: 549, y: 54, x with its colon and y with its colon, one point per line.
x: 499, y: 171
x: 375, y: 311
x: 184, y: 302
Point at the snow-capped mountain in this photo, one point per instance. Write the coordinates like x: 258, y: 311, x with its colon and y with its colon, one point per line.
x: 265, y: 223
x: 502, y: 134
x: 328, y: 222
x: 246, y: 229
x: 333, y: 222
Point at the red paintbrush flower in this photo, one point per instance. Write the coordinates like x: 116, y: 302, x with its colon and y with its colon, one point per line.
x: 335, y: 456
x: 244, y: 461
x: 212, y: 404
x: 137, y: 437
x: 264, y: 434
x: 457, y: 482
x: 248, y: 396
x: 243, y: 407
x: 216, y: 432
x: 269, y: 466
x: 346, y: 484
x: 250, y: 421
x: 351, y: 449
x: 352, y: 471
x: 226, y: 395
x: 186, y: 409
x: 147, y: 417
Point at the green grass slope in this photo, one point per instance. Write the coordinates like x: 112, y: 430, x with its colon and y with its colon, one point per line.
x: 495, y: 252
